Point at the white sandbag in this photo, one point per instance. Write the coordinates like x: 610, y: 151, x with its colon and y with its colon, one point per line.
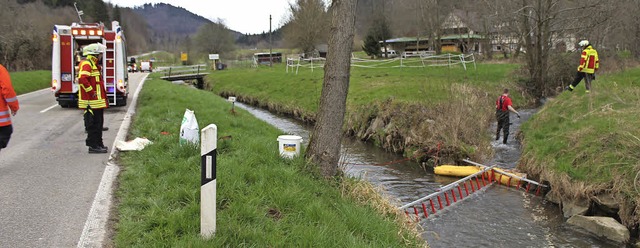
x: 133, y: 145
x: 189, y: 130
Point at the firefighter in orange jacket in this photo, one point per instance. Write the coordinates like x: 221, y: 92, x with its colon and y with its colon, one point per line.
x: 589, y: 64
x: 8, y: 106
x: 92, y: 97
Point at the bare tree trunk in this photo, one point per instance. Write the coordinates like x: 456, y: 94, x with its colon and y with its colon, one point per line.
x: 528, y: 42
x: 536, y: 67
x: 545, y: 46
x: 634, y: 49
x: 438, y: 30
x: 324, y: 148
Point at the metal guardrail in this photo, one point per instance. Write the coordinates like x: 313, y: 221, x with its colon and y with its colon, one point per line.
x: 191, y: 72
x: 181, y: 70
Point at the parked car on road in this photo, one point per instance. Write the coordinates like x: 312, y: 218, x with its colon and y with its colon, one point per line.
x: 146, y: 66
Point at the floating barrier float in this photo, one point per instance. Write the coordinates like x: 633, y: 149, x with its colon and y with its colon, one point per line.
x: 456, y: 170
x: 480, y: 176
x: 463, y: 171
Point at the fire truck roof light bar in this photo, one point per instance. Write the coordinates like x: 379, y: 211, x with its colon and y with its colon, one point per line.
x: 91, y: 32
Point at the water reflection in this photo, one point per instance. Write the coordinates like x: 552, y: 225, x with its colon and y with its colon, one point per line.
x: 498, y: 217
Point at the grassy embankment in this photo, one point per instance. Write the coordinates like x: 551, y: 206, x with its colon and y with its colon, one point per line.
x: 587, y: 144
x: 263, y: 200
x: 161, y: 58
x: 28, y: 81
x: 400, y: 109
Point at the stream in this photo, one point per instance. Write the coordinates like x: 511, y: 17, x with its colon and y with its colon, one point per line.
x: 496, y: 217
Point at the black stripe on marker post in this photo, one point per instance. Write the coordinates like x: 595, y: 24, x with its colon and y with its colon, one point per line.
x: 208, y: 159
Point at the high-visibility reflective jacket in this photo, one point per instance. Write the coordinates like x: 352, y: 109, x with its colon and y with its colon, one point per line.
x: 8, y: 98
x: 589, y: 61
x: 92, y: 92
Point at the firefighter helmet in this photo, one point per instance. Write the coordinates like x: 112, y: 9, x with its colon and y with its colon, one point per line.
x: 95, y: 48
x: 583, y: 43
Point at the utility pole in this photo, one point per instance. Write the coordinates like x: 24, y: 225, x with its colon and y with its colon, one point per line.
x: 270, y: 44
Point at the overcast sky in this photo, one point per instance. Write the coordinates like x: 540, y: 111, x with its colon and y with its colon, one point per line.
x: 244, y: 16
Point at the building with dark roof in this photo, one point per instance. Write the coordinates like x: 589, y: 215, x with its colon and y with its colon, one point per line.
x: 457, y: 36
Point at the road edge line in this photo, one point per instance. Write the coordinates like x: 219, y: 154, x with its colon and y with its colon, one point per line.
x: 95, y: 227
x: 28, y: 94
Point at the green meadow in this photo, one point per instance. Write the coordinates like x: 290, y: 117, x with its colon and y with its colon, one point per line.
x: 301, y: 90
x: 28, y: 81
x: 263, y: 200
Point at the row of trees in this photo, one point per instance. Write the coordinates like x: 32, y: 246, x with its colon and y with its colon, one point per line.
x: 25, y: 43
x: 536, y: 25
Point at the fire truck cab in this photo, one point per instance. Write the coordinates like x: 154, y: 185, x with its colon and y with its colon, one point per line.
x: 67, y: 54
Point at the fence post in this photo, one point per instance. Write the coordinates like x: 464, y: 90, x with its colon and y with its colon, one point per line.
x: 208, y: 145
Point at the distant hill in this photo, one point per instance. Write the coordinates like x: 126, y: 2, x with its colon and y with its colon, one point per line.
x: 168, y: 19
x: 165, y: 20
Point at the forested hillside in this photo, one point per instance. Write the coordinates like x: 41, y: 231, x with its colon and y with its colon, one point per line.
x: 26, y: 27
x: 167, y: 19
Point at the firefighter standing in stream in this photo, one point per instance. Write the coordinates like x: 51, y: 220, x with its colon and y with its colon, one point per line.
x: 92, y: 97
x: 503, y: 106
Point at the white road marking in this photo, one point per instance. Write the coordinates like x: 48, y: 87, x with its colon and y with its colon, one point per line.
x: 49, y: 108
x: 94, y: 233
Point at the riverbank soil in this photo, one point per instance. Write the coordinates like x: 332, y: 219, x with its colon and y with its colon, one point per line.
x: 586, y: 146
x: 452, y: 131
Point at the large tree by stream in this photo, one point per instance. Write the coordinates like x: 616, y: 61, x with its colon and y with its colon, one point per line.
x: 324, y: 148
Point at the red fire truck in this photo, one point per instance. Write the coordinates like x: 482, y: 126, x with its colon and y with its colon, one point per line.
x: 67, y: 54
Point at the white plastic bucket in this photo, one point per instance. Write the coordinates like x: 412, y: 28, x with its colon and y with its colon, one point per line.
x: 289, y: 145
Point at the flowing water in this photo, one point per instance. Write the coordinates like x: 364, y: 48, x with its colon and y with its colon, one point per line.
x: 496, y: 217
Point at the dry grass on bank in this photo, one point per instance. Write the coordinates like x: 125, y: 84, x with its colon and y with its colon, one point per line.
x: 366, y: 194
x: 586, y: 145
x: 458, y: 127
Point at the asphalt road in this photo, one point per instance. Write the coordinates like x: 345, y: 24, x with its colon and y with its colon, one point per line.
x: 48, y: 180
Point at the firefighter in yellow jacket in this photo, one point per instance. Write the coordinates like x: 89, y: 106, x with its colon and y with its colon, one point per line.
x: 589, y: 64
x: 8, y: 106
x: 92, y: 97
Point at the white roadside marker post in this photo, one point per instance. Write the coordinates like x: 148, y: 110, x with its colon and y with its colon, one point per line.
x: 208, y: 145
x: 232, y: 99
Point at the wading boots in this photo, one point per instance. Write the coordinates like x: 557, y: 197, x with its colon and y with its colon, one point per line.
x: 98, y: 149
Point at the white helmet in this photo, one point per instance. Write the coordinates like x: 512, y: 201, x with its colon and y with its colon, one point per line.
x: 95, y: 48
x: 583, y: 43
